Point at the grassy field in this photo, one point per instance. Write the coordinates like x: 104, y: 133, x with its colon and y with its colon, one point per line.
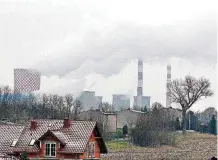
x: 194, y: 146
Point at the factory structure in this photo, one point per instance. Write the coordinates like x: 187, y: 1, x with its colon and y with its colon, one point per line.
x: 141, y: 101
x: 89, y: 100
x: 125, y: 114
x: 122, y: 101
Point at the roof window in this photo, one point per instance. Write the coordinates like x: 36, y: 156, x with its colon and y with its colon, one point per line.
x: 32, y: 142
x: 13, y: 144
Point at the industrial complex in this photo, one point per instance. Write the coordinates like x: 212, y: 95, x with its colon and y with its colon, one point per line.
x: 122, y: 101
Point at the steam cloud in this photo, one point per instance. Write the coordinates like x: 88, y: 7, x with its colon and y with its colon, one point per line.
x: 106, y: 53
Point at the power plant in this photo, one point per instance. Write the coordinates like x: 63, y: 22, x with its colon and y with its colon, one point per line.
x: 120, y: 101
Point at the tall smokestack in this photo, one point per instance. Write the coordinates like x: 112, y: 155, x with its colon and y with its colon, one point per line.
x: 140, y: 82
x: 168, y: 96
x: 140, y: 78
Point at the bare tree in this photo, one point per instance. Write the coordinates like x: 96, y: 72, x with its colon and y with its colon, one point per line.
x: 186, y: 92
x: 135, y: 107
x: 61, y: 108
x: 152, y: 129
x: 69, y: 102
x: 131, y: 122
x: 77, y: 108
x: 106, y: 107
x: 157, y: 105
x: 45, y: 106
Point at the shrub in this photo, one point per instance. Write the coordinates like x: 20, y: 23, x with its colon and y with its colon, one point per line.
x: 125, y: 130
x: 153, y: 129
x: 212, y: 126
x: 24, y: 156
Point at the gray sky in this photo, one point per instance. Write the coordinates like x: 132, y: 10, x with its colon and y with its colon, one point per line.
x: 93, y: 45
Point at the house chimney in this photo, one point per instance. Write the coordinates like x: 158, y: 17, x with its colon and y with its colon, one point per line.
x: 66, y: 123
x: 33, y: 125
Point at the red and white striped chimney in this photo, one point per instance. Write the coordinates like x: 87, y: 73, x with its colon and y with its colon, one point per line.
x: 168, y: 95
x: 140, y: 83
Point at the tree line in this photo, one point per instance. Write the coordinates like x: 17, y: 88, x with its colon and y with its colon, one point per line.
x: 15, y: 107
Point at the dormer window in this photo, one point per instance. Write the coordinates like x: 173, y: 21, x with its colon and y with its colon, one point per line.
x: 13, y: 144
x: 32, y: 142
x: 50, y: 149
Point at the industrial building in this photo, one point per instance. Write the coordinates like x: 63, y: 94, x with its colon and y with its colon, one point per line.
x: 98, y: 101
x: 145, y: 102
x: 89, y: 100
x: 120, y: 102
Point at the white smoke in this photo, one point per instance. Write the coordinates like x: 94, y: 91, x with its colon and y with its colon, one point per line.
x: 107, y: 54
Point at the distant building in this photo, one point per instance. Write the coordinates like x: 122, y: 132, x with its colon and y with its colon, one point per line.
x: 128, y: 117
x: 89, y: 100
x: 107, y: 121
x: 98, y: 101
x: 120, y: 102
x: 145, y: 101
x: 112, y: 121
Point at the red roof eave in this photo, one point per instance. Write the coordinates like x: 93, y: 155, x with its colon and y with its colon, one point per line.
x: 68, y: 152
x: 18, y: 150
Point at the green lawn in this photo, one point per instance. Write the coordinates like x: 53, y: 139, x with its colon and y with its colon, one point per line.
x: 118, y: 145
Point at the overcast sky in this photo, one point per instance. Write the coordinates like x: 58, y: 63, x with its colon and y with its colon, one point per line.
x: 93, y: 45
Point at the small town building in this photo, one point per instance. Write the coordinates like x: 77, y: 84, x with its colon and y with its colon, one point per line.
x: 53, y: 139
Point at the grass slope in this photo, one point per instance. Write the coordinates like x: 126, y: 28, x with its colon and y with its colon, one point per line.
x: 192, y: 146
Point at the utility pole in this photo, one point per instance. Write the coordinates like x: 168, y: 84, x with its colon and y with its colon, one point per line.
x: 189, y: 121
x: 116, y: 129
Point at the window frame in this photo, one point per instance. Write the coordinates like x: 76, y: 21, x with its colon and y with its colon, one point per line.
x: 50, y: 144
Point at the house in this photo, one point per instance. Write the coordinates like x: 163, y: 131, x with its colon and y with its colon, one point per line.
x: 128, y: 117
x: 7, y: 157
x: 53, y: 139
x: 106, y: 121
x: 112, y: 121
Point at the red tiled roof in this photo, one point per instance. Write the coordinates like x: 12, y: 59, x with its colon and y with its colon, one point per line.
x: 8, y: 133
x: 76, y: 136
x: 61, y: 136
